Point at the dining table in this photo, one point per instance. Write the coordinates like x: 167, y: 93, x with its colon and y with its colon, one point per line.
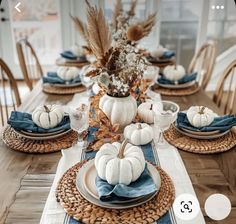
x: 26, y: 179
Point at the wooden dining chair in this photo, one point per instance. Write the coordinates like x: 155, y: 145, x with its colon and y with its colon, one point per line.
x: 29, y: 62
x: 225, y: 94
x: 9, y: 94
x: 203, y: 62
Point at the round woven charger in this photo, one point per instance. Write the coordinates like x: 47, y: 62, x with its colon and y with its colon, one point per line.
x: 82, y: 210
x: 14, y: 141
x: 62, y: 90
x: 176, y: 92
x: 186, y: 143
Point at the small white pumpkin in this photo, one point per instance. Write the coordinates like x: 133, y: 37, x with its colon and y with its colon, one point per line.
x: 139, y: 133
x: 119, y: 163
x: 174, y: 72
x: 77, y: 50
x: 200, y: 116
x: 146, y: 111
x: 48, y: 116
x: 119, y: 110
x: 157, y: 53
x: 67, y: 73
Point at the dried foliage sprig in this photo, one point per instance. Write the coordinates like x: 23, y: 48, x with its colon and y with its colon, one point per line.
x: 141, y: 29
x: 133, y: 5
x: 116, y: 13
x: 81, y: 27
x: 99, y: 35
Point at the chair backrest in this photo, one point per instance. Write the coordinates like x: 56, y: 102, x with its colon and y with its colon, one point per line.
x: 9, y: 94
x: 203, y: 62
x: 225, y: 94
x: 29, y: 62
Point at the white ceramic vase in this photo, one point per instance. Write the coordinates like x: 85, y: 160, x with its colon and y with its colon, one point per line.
x: 119, y: 110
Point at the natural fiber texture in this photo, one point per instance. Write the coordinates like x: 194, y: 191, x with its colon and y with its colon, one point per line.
x: 71, y: 63
x: 99, y: 35
x: 176, y: 92
x: 133, y: 5
x: 82, y: 210
x: 186, y: 143
x: 81, y: 27
x: 14, y: 141
x: 63, y: 90
x: 116, y: 13
x: 141, y: 29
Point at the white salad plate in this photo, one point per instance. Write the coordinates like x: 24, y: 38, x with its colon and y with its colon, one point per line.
x: 86, y: 185
x: 177, y: 86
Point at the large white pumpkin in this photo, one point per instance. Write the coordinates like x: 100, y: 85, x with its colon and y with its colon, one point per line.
x: 119, y: 110
x: 48, y: 116
x: 200, y: 116
x: 68, y: 73
x: 119, y: 163
x: 139, y: 133
x: 173, y: 72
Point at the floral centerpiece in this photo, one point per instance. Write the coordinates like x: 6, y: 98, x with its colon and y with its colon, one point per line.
x: 119, y: 68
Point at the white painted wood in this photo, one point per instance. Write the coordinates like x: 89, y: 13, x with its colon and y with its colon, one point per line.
x: 203, y: 22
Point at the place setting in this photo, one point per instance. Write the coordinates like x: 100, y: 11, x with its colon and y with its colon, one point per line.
x: 46, y: 130
x: 161, y: 57
x: 200, y: 130
x: 66, y: 80
x: 175, y: 81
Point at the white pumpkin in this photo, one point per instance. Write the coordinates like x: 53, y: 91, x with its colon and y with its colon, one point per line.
x: 95, y: 88
x: 200, y: 116
x: 119, y: 163
x: 67, y: 73
x: 119, y: 110
x: 139, y: 133
x: 77, y: 50
x: 173, y: 72
x: 146, y: 111
x: 157, y: 53
x: 48, y: 116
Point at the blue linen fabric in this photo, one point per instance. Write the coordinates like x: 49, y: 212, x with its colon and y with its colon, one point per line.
x: 23, y: 121
x: 53, y: 78
x: 221, y: 123
x: 150, y: 155
x: 168, y: 54
x: 141, y: 187
x: 71, y: 56
x: 187, y: 78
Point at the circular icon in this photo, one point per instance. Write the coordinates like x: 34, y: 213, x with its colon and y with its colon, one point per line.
x: 217, y: 206
x: 186, y: 206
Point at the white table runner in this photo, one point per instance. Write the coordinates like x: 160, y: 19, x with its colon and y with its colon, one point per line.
x: 169, y: 158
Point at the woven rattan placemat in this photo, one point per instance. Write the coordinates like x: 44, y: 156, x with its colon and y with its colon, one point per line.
x: 62, y: 90
x: 14, y: 141
x: 186, y: 143
x: 176, y: 92
x: 82, y: 210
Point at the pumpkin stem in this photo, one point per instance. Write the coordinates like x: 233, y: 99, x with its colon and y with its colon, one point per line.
x: 202, y: 110
x: 122, y: 149
x: 139, y: 126
x: 46, y: 109
x: 151, y: 107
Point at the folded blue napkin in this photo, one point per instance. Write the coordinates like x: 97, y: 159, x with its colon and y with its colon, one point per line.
x: 23, y: 121
x: 141, y: 187
x: 53, y: 78
x: 168, y: 54
x: 187, y: 78
x: 71, y: 56
x: 222, y: 123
